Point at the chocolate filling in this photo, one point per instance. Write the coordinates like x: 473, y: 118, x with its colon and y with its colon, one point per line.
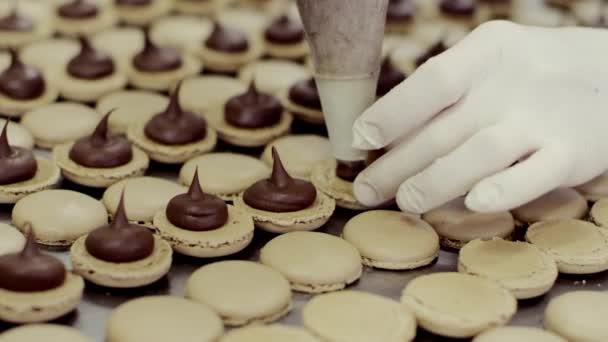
x: 284, y: 31
x: 16, y: 22
x: 389, y: 77
x: 133, y: 2
x: 16, y: 164
x: 280, y: 193
x: 400, y: 11
x: 196, y: 210
x: 78, y: 9
x: 461, y: 8
x: 253, y: 109
x: 101, y: 149
x: 305, y: 94
x: 120, y: 241
x: 349, y: 170
x: 433, y: 51
x: 90, y: 63
x: 175, y: 126
x: 20, y: 81
x: 154, y: 58
x: 30, y: 270
x: 226, y: 39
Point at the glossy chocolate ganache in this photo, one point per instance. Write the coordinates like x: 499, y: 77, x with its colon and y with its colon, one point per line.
x: 253, y: 109
x: 78, y: 9
x: 174, y: 126
x: 120, y: 241
x: 280, y: 193
x: 30, y: 270
x: 226, y: 39
x: 20, y: 81
x: 16, y: 164
x: 196, y: 210
x: 284, y: 30
x: 102, y: 149
x: 305, y: 93
x: 16, y: 22
x: 154, y: 58
x: 400, y: 11
x: 460, y: 8
x: 90, y: 63
x: 133, y: 2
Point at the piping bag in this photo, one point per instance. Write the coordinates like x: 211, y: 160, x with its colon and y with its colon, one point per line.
x: 345, y: 38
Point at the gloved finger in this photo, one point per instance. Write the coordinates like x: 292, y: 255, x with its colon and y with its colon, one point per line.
x: 542, y: 172
x: 379, y: 182
x: 487, y: 152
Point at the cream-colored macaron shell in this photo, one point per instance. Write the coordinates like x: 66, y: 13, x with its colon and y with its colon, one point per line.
x: 59, y: 217
x: 38, y: 12
x: 404, y: 56
x: 323, y: 176
x: 458, y: 305
x: 596, y: 188
x: 11, y: 239
x: 264, y: 297
x: 559, y: 204
x: 19, y: 134
x: 184, y: 32
x: 269, y: 333
x: 511, y: 334
x: 335, y: 265
x: 130, y: 107
x: 144, y: 197
x: 47, y: 176
x: 457, y: 225
x: 599, y: 213
x: 224, y: 174
x: 299, y: 153
x: 272, y: 76
x: 578, y: 316
x: 43, y: 332
x: 519, y: 266
x: 50, y: 55
x: 162, y: 319
x: 121, y: 42
x: 202, y: 93
x: 250, y: 21
x: 60, y: 122
x: 104, y: 19
x: 358, y: 317
x: 392, y: 240
x: 164, y: 80
x: 578, y: 247
x: 143, y: 15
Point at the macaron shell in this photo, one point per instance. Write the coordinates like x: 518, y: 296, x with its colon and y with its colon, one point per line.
x: 269, y: 333
x: 41, y: 332
x: 510, y: 334
x: 578, y: 316
x: 11, y: 239
x: 299, y: 153
x: 559, y: 204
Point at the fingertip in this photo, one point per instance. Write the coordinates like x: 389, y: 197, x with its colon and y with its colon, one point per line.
x: 482, y: 198
x: 410, y: 199
x: 365, y: 192
x: 367, y: 135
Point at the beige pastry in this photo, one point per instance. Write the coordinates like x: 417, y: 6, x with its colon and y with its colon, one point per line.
x: 437, y: 302
x: 249, y: 20
x: 130, y: 107
x: 121, y: 42
x: 284, y: 38
x: 144, y: 14
x: 578, y: 247
x: 78, y: 17
x: 595, y: 189
x: 35, y: 22
x: 405, y: 55
x: 457, y: 225
x: 266, y: 333
x: 184, y: 32
x: 19, y: 134
x: 599, y: 213
x: 224, y: 174
x: 265, y: 296
x: 40, y: 332
x: 228, y: 56
x: 301, y: 99
x: 299, y: 153
x: 11, y: 239
x: 203, y: 7
x: 578, y: 316
x: 290, y: 254
x: 358, y: 317
x: 559, y: 204
x: 509, y: 334
x: 273, y: 76
x: 50, y: 55
x: 324, y: 177
x: 203, y: 93
x: 518, y: 266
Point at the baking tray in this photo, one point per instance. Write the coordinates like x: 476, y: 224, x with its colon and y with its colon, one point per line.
x: 98, y: 302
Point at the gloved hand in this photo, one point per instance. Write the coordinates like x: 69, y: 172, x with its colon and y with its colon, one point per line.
x: 504, y: 93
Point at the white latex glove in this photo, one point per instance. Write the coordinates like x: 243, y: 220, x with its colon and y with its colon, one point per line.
x: 504, y: 93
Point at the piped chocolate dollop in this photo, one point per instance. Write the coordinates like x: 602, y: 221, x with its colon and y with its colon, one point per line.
x: 284, y: 30
x: 120, y: 241
x: 154, y: 58
x: 30, y: 270
x: 400, y: 11
x: 196, y: 210
x: 349, y: 170
x: 253, y: 109
x: 78, y: 9
x: 102, y: 149
x: 16, y: 164
x: 305, y: 94
x: 389, y: 77
x: 20, y: 81
x: 174, y: 126
x: 462, y: 8
x: 226, y: 39
x: 433, y: 51
x: 16, y: 22
x: 133, y: 2
x: 90, y: 63
x: 280, y: 193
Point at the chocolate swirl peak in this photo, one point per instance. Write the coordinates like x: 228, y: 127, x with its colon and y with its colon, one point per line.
x: 175, y: 126
x: 101, y: 149
x: 305, y: 94
x: 90, y: 63
x: 120, y: 241
x: 16, y: 164
x: 280, y: 193
x: 78, y: 9
x: 226, y: 39
x: 20, y: 81
x: 133, y: 2
x: 30, y: 270
x: 463, y: 8
x: 284, y: 31
x: 253, y: 109
x: 389, y: 77
x: 154, y: 58
x: 400, y: 10
x: 16, y: 22
x: 196, y: 210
